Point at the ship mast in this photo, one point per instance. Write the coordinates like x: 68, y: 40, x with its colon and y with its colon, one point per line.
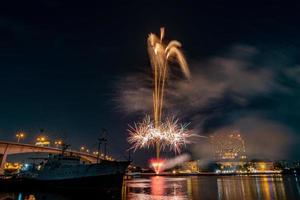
x: 102, y: 140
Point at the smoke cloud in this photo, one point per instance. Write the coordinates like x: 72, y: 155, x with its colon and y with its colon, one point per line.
x: 221, y: 93
x: 170, y: 163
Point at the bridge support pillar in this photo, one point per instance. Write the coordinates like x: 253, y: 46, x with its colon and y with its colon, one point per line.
x: 3, y: 158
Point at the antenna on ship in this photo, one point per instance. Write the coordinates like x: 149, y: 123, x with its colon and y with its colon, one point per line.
x: 100, y: 141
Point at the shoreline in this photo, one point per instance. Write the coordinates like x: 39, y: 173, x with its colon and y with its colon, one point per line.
x: 206, y: 174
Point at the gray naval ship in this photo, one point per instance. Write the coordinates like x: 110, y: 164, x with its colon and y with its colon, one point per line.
x: 67, y: 171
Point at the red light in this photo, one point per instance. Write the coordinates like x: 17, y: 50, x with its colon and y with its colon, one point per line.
x: 157, y: 187
x: 157, y: 165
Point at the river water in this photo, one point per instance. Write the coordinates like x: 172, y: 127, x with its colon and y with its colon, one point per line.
x: 190, y: 187
x: 214, y: 187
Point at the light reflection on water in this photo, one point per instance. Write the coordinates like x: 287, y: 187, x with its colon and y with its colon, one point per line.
x: 264, y: 187
x: 157, y: 188
x: 214, y: 187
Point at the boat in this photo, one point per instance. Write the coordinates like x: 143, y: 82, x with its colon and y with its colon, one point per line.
x: 67, y: 171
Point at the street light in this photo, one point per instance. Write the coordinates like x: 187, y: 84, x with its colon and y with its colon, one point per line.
x: 58, y: 143
x: 20, y: 136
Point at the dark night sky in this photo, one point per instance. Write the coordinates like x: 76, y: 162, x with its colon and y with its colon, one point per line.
x: 60, y: 61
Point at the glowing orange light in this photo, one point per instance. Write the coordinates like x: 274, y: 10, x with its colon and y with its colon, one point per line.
x: 157, y: 165
x: 20, y: 136
x: 157, y: 187
x: 58, y: 142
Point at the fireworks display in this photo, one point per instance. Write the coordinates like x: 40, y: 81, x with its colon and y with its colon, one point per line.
x: 160, y: 55
x: 170, y: 134
x: 157, y: 133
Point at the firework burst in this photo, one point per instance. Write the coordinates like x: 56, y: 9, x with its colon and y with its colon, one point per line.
x: 170, y: 134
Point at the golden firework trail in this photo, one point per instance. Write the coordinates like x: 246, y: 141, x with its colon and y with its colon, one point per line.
x: 161, y: 54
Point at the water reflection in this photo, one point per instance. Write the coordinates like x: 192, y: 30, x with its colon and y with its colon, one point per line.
x: 214, y: 187
x: 249, y: 187
x: 157, y: 188
x: 180, y: 188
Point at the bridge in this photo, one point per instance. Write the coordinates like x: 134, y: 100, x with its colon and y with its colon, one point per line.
x: 10, y: 148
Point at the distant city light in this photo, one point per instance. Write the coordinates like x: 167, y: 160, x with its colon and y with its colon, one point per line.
x: 82, y: 148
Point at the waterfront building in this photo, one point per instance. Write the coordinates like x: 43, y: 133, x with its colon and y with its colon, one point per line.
x: 189, y: 167
x: 229, y: 151
x: 261, y: 166
x: 228, y: 146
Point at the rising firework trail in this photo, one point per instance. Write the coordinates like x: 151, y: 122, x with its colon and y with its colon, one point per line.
x: 160, y: 55
x: 157, y: 133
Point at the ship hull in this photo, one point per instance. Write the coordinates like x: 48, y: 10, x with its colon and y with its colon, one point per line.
x: 86, y: 183
x: 105, y: 178
x: 103, y: 182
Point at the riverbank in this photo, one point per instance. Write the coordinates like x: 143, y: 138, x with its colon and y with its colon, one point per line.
x: 206, y: 174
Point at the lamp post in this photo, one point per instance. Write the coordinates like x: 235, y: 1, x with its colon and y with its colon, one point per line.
x: 58, y: 143
x: 20, y: 136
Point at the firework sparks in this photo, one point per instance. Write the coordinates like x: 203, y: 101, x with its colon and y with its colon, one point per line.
x: 170, y: 134
x: 155, y: 133
x: 160, y: 55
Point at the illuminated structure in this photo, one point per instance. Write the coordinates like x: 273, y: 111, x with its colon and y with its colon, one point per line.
x: 189, y: 167
x: 10, y: 148
x: 228, y: 146
x: 11, y: 168
x: 42, y: 141
x: 262, y: 166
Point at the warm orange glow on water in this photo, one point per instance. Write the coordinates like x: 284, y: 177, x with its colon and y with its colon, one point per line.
x: 209, y: 187
x: 157, y: 186
x: 266, y: 188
